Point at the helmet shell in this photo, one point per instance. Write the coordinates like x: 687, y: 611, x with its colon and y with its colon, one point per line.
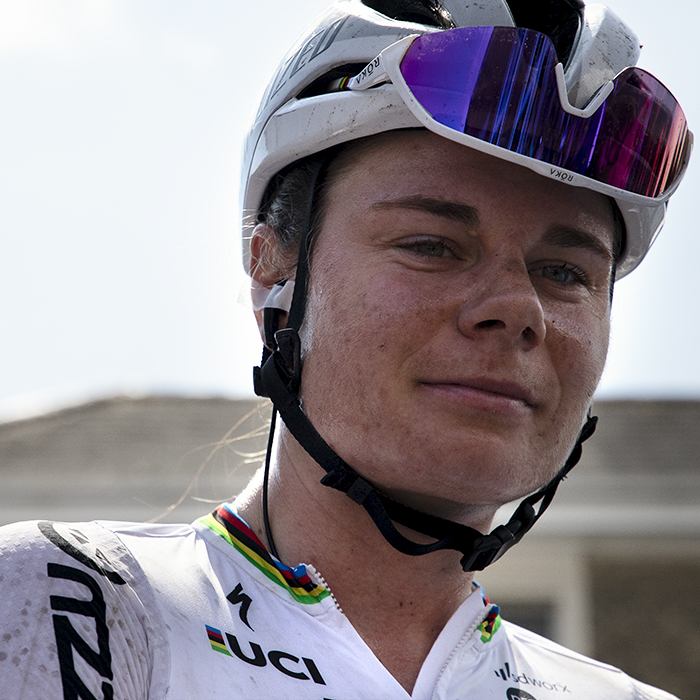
x: 291, y: 125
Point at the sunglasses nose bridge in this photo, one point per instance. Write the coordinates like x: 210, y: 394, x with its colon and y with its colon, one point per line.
x: 592, y: 107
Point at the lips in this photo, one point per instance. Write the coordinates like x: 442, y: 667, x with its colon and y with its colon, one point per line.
x: 494, y: 388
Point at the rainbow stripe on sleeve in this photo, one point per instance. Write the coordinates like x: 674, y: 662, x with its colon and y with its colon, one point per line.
x: 234, y: 531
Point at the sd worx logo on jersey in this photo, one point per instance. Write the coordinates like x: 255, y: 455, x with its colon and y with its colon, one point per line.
x: 511, y: 675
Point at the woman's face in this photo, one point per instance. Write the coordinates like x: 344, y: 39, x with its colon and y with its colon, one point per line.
x: 457, y: 321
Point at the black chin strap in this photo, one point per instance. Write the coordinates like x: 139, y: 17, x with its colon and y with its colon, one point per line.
x: 279, y: 378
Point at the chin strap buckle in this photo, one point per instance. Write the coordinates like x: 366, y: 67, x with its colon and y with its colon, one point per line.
x: 489, y: 548
x: 286, y: 358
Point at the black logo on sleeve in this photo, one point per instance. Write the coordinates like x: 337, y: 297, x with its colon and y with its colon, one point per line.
x: 238, y: 597
x: 49, y: 531
x: 69, y: 640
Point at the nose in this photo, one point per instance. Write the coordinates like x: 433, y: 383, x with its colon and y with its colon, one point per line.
x: 504, y: 305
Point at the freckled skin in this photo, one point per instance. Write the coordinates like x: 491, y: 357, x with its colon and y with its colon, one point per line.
x: 456, y: 327
x: 394, y: 332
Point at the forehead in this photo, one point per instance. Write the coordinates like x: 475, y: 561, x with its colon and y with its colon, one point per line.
x: 395, y: 165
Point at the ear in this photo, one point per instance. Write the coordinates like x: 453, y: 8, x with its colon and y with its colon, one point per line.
x: 264, y: 271
x: 263, y: 256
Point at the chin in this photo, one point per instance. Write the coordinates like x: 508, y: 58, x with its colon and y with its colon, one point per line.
x: 473, y: 488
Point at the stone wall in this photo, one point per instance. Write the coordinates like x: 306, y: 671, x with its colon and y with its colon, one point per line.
x: 130, y: 459
x: 647, y: 620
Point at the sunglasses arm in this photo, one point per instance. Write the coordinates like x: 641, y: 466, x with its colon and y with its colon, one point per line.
x: 376, y: 71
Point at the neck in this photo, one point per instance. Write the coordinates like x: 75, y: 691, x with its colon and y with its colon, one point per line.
x: 389, y: 597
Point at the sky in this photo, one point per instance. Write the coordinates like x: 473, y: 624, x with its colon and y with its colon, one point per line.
x: 121, y: 128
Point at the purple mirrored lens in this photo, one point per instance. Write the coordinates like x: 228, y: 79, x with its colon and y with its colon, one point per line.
x: 498, y: 84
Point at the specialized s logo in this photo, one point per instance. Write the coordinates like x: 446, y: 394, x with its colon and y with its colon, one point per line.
x: 302, y: 669
x: 238, y: 597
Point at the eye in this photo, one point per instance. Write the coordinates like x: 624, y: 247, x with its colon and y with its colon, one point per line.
x: 564, y: 274
x: 430, y: 247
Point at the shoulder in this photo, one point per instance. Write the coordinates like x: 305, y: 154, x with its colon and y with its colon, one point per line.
x: 49, y: 549
x: 75, y: 609
x: 534, y: 662
x: 95, y: 548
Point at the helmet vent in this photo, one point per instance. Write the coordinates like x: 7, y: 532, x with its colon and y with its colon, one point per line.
x: 320, y: 85
x: 559, y: 19
x: 427, y: 12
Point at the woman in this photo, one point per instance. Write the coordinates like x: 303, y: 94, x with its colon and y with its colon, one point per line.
x: 432, y: 226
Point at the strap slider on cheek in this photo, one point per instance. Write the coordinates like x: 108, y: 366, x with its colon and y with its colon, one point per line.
x: 288, y: 354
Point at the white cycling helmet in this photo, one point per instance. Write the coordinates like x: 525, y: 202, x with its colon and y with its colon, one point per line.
x: 304, y: 111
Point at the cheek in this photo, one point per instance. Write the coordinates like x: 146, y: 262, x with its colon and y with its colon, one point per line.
x: 359, y: 333
x: 340, y: 348
x: 577, y: 350
x: 369, y: 311
x: 581, y: 346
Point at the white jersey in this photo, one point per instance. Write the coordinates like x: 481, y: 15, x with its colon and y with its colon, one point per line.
x: 123, y: 611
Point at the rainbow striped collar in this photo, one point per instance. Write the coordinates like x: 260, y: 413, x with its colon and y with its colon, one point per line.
x: 225, y: 523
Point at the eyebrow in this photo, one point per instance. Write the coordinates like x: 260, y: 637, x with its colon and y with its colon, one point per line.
x: 569, y: 237
x: 561, y: 235
x: 461, y: 213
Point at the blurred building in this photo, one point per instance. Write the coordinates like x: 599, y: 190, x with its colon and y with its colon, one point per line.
x: 612, y: 569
